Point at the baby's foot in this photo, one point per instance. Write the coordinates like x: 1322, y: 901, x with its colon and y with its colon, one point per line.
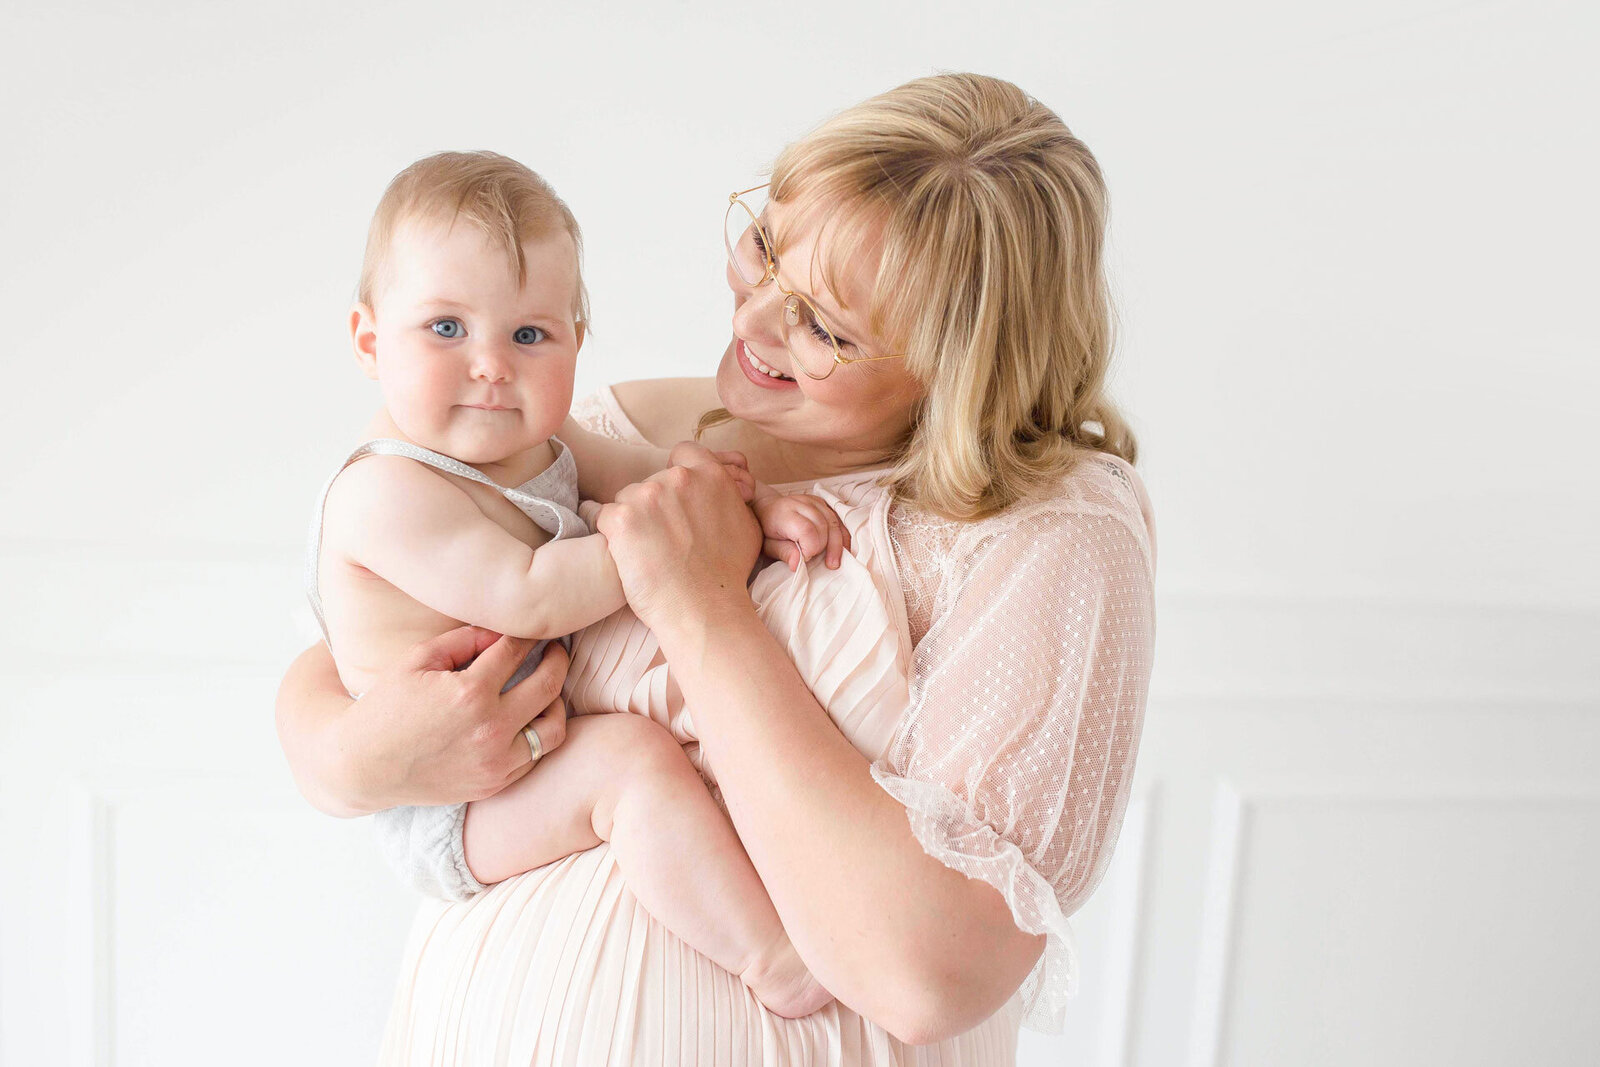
x: 783, y: 983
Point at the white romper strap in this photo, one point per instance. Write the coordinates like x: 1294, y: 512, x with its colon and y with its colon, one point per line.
x: 550, y: 499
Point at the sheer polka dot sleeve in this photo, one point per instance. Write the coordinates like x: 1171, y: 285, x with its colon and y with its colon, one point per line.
x: 1028, y: 695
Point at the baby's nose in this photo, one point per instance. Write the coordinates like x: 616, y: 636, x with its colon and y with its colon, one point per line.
x: 490, y: 363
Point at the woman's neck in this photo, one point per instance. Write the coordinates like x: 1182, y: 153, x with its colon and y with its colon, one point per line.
x: 777, y: 462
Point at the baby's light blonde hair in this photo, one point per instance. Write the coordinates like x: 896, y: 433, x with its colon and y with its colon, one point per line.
x: 992, y: 220
x: 507, y: 201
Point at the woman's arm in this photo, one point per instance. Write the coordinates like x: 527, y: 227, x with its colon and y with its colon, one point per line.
x: 432, y: 730
x: 911, y: 944
x: 903, y: 939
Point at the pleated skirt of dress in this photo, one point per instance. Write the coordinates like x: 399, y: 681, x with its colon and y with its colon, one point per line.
x: 562, y: 966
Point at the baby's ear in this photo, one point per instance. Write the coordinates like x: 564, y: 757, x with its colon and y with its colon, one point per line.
x: 364, y: 339
x: 581, y: 331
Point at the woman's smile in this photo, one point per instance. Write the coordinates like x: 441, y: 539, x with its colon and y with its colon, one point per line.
x: 758, y: 372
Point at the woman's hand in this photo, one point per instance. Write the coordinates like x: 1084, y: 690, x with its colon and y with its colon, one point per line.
x: 434, y: 729
x: 461, y: 734
x: 683, y: 541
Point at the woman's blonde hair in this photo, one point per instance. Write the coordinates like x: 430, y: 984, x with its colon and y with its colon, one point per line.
x: 992, y: 218
x: 501, y: 197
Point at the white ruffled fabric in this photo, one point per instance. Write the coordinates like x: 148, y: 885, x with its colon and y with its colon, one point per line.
x: 846, y: 629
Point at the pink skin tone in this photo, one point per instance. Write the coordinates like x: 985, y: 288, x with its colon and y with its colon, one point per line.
x: 477, y: 364
x: 474, y: 364
x: 850, y: 420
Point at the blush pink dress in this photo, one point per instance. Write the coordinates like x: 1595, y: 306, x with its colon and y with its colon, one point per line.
x: 994, y: 672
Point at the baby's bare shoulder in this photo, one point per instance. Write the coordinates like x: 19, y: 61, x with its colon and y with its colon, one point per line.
x: 372, y: 494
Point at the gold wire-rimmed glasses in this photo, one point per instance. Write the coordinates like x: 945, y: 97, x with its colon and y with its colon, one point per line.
x: 807, y: 336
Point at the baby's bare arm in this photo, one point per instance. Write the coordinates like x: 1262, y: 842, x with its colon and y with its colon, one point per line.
x: 605, y: 466
x: 422, y: 534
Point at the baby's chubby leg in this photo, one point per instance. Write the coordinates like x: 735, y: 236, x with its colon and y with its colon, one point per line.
x: 624, y: 779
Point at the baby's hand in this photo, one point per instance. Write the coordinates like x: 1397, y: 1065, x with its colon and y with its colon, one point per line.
x: 799, y: 527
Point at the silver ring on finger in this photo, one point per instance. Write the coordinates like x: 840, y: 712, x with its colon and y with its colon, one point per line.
x: 535, y: 746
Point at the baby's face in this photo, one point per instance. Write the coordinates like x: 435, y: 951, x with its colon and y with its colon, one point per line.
x: 470, y: 363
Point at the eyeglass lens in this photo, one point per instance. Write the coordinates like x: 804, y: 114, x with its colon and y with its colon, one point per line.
x: 807, y: 338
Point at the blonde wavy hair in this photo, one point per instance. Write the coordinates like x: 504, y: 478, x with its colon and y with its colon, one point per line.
x: 992, y: 219
x: 508, y: 202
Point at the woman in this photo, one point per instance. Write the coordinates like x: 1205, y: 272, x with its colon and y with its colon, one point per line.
x: 921, y: 331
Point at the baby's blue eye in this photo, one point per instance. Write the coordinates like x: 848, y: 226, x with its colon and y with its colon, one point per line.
x: 450, y: 328
x: 528, y: 335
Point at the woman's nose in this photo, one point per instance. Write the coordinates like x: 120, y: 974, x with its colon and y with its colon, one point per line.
x: 755, y: 309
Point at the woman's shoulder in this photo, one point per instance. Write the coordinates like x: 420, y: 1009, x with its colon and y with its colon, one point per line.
x: 666, y: 410
x: 1100, y: 491
x: 1095, y: 518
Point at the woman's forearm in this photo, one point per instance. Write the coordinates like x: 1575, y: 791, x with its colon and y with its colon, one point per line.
x: 906, y: 941
x: 311, y: 710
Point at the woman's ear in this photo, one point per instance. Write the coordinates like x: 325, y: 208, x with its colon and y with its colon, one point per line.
x: 364, y: 339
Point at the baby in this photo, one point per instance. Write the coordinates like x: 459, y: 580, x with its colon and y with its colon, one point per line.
x: 462, y: 507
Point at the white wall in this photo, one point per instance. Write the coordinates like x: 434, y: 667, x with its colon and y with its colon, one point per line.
x: 1355, y: 251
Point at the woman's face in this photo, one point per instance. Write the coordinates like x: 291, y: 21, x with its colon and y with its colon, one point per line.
x: 860, y: 410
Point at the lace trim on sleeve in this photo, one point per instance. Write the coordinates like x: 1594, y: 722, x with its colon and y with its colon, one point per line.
x: 946, y: 831
x: 593, y: 414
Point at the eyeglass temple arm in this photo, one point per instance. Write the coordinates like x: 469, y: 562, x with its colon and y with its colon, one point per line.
x: 839, y: 358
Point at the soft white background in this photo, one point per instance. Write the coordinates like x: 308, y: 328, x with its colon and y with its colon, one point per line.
x: 1354, y: 254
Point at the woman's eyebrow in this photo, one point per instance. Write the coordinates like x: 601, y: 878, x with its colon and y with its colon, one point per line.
x: 832, y: 313
x: 829, y: 311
